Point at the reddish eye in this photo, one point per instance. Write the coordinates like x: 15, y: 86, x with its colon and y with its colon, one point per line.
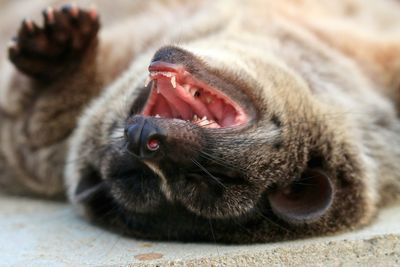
x: 153, y: 144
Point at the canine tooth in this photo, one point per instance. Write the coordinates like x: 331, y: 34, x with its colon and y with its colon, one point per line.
x: 158, y: 90
x: 173, y: 81
x: 195, y: 118
x: 204, y: 118
x: 158, y: 116
x: 148, y: 80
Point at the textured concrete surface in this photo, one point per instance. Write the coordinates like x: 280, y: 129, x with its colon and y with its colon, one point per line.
x: 35, y: 233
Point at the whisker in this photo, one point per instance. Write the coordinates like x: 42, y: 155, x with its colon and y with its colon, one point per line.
x: 260, y: 213
x: 213, y: 235
x: 208, y: 173
x: 220, y: 162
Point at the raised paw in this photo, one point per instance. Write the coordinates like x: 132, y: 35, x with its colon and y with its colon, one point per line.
x: 47, y: 51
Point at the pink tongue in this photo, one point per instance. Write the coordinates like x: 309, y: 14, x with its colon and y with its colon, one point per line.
x: 174, y: 101
x: 217, y: 109
x: 198, y: 106
x: 229, y: 117
x: 162, y: 108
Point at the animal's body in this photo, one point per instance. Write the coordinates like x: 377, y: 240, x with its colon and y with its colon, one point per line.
x: 223, y: 121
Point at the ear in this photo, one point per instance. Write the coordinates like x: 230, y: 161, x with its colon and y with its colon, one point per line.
x: 305, y: 200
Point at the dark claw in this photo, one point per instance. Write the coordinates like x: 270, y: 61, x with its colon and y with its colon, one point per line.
x: 66, y: 8
x: 93, y: 13
x: 49, y: 17
x: 13, y: 48
x: 28, y: 27
x: 70, y: 9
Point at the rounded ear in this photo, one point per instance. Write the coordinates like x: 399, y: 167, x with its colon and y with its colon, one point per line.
x: 305, y: 200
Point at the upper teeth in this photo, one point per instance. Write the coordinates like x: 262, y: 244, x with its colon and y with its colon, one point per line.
x: 164, y: 73
x: 173, y: 81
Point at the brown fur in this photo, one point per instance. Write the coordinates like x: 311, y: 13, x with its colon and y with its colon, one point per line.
x: 319, y: 78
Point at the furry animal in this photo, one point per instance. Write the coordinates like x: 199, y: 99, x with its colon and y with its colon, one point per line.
x: 207, y: 120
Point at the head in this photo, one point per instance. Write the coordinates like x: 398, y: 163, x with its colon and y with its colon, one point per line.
x: 226, y: 136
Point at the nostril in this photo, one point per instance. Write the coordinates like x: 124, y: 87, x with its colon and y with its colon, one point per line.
x: 133, y: 133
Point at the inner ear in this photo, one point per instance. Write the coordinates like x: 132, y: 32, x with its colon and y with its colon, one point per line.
x: 305, y: 200
x: 89, y: 185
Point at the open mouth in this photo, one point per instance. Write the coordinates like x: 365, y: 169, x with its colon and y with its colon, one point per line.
x: 176, y: 94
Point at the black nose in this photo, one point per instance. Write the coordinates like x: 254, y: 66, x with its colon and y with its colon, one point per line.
x: 144, y: 138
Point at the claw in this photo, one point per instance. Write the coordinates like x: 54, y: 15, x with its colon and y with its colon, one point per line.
x: 27, y: 25
x: 71, y: 9
x: 49, y: 15
x: 12, y: 46
x: 12, y: 42
x: 93, y: 12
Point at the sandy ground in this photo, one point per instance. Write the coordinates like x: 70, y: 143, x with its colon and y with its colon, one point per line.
x: 36, y: 233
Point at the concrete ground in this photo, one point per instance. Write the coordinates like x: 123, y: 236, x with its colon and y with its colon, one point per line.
x: 35, y: 233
